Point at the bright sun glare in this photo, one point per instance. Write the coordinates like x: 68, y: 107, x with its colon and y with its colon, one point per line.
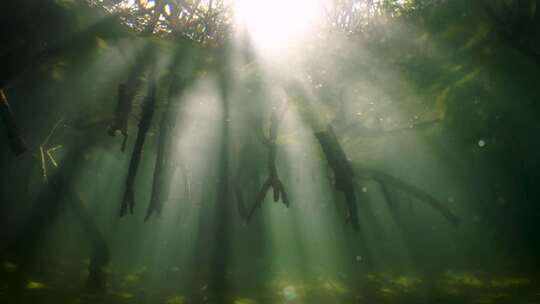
x: 276, y: 24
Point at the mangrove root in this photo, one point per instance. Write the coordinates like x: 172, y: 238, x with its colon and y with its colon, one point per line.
x: 128, y: 203
x: 158, y: 11
x: 272, y: 181
x: 100, y: 255
x: 359, y: 130
x: 388, y: 181
x: 240, y: 205
x: 15, y: 139
x: 343, y: 172
x: 122, y: 112
x: 163, y: 169
x: 55, y: 197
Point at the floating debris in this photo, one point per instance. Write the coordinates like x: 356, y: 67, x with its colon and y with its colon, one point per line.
x: 244, y: 301
x: 124, y: 295
x: 510, y: 282
x: 453, y: 291
x: 132, y: 278
x: 289, y: 293
x: 176, y: 300
x: 463, y: 279
x: 8, y: 266
x: 371, y: 277
x: 406, y: 283
x: 35, y: 285
x: 334, y: 286
x: 386, y: 290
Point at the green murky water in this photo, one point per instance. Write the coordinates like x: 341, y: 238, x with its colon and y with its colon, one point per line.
x: 269, y: 151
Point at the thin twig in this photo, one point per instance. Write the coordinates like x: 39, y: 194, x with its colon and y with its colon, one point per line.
x: 52, y: 131
x: 43, y: 164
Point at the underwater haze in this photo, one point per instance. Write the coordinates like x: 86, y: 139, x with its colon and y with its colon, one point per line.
x: 258, y: 151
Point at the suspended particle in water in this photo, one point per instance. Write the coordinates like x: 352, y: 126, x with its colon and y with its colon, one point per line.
x: 364, y: 189
x: 451, y: 199
x: 476, y: 218
x: 359, y: 258
x: 481, y: 143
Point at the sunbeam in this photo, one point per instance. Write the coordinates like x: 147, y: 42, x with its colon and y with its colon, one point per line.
x: 276, y: 26
x: 258, y: 151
